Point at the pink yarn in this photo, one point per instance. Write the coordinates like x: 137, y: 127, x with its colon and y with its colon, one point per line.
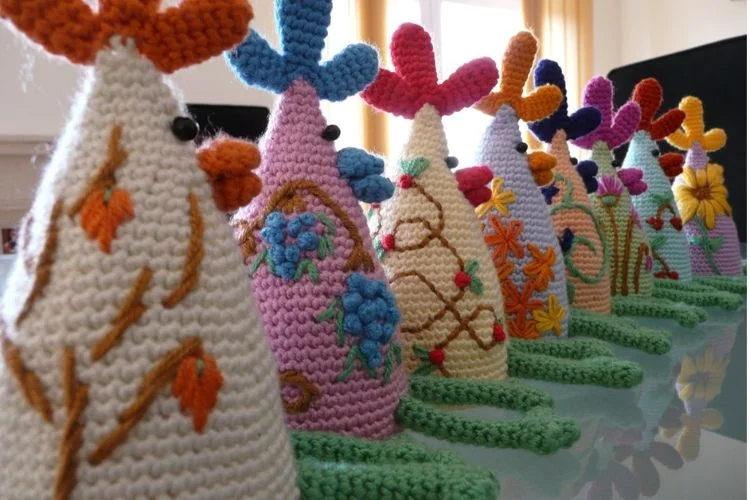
x: 360, y: 405
x: 615, y: 129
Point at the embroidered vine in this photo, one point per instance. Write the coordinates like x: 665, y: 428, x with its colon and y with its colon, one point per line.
x: 709, y: 244
x: 664, y: 203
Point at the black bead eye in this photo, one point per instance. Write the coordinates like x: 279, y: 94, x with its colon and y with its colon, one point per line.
x: 616, y: 163
x: 184, y: 128
x: 452, y: 162
x: 573, y: 160
x: 522, y: 147
x: 656, y: 153
x: 331, y: 133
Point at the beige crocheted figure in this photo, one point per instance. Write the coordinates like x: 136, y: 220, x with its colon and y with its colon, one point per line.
x: 135, y: 366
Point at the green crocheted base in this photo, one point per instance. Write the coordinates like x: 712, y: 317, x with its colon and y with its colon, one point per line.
x: 567, y: 348
x: 654, y: 307
x: 509, y: 395
x: 329, y: 481
x: 733, y: 284
x: 619, y: 331
x: 696, y: 294
x: 603, y: 371
x: 538, y: 430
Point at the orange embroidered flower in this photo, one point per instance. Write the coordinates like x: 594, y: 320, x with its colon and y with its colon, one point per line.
x: 504, y: 271
x: 522, y: 328
x: 540, y: 268
x: 505, y: 239
x: 197, y: 386
x: 103, y: 212
x: 520, y: 302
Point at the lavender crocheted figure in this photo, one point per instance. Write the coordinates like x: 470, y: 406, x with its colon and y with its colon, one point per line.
x: 578, y: 229
x: 524, y: 245
x: 702, y: 200
x: 657, y: 208
x: 631, y: 260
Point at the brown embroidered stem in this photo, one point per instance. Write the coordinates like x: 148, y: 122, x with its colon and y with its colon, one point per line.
x: 193, y: 259
x: 308, y: 392
x: 662, y: 261
x: 131, y: 310
x: 665, y: 206
x: 642, y: 251
x: 616, y: 252
x: 31, y: 385
x: 626, y: 261
x: 465, y: 326
x: 44, y: 266
x: 154, y: 381
x: 105, y: 176
x: 359, y: 258
x: 76, y: 398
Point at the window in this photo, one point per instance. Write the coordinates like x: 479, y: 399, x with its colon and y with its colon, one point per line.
x: 461, y: 30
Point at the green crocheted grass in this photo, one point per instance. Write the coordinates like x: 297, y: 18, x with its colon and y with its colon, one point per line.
x: 329, y: 481
x: 329, y: 447
x: 602, y: 371
x: 654, y: 307
x: 564, y: 348
x: 619, y: 331
x: 697, y: 295
x: 448, y: 391
x: 733, y: 284
x: 539, y: 430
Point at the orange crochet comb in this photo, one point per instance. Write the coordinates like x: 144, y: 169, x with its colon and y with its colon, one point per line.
x: 650, y: 96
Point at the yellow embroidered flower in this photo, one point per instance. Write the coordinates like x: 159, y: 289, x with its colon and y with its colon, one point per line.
x: 701, y: 377
x: 550, y: 319
x: 500, y: 199
x: 704, y: 193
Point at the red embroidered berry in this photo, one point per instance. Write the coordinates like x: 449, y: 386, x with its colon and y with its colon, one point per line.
x: 404, y: 182
x: 498, y: 332
x: 388, y: 242
x: 661, y: 274
x: 656, y: 222
x: 437, y: 356
x: 674, y: 275
x: 676, y: 223
x: 462, y: 279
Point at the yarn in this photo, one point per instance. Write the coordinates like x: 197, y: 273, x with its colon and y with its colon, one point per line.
x: 119, y: 316
x: 229, y: 170
x: 702, y: 198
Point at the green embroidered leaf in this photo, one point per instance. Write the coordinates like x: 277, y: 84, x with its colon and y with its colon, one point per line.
x: 424, y: 369
x: 388, y: 363
x: 415, y: 167
x: 471, y: 267
x: 571, y: 291
x: 658, y: 241
x: 270, y: 264
x: 322, y: 248
x: 330, y: 312
x: 257, y: 261
x: 379, y: 251
x: 349, y: 364
x: 328, y: 223
x: 716, y: 243
x: 370, y: 212
x: 312, y: 270
x: 476, y: 287
x: 340, y: 333
x: 363, y: 361
x: 661, y: 199
x: 300, y: 270
x: 397, y: 351
x: 421, y: 352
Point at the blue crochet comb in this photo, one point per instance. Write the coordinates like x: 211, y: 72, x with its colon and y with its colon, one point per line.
x: 580, y: 123
x: 303, y: 27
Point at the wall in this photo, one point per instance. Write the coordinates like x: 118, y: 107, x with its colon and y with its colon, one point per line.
x: 628, y: 31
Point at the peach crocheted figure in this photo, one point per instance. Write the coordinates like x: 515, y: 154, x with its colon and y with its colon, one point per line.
x: 134, y: 362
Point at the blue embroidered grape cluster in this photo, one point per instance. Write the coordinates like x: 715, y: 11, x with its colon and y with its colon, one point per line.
x: 288, y: 240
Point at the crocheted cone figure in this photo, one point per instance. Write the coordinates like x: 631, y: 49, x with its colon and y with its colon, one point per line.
x: 631, y: 260
x: 431, y: 245
x: 663, y: 224
x: 519, y: 232
x: 130, y: 344
x: 577, y: 227
x: 702, y: 201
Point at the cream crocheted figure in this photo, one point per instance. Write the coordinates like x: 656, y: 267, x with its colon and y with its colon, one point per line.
x: 135, y: 366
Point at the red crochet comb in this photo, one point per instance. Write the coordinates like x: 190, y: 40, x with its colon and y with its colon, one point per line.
x: 650, y: 96
x: 415, y: 81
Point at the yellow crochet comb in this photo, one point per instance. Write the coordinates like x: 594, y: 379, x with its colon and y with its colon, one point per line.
x: 517, y: 61
x: 694, y: 129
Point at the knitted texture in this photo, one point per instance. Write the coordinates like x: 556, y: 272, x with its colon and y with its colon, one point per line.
x: 516, y: 222
x: 620, y: 331
x: 657, y: 210
x: 585, y: 256
x: 136, y: 365
x: 702, y: 197
x: 328, y: 313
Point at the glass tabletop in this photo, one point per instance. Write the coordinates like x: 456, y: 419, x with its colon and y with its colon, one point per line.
x: 681, y: 434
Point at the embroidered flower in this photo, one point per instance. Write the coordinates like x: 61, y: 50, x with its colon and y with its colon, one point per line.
x: 609, y: 190
x: 702, y: 192
x: 500, y: 199
x: 197, y: 386
x: 540, y: 268
x: 550, y: 319
x: 103, y: 212
x: 505, y: 239
x: 522, y: 328
x: 520, y: 303
x: 701, y: 377
x: 504, y: 271
x: 550, y: 192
